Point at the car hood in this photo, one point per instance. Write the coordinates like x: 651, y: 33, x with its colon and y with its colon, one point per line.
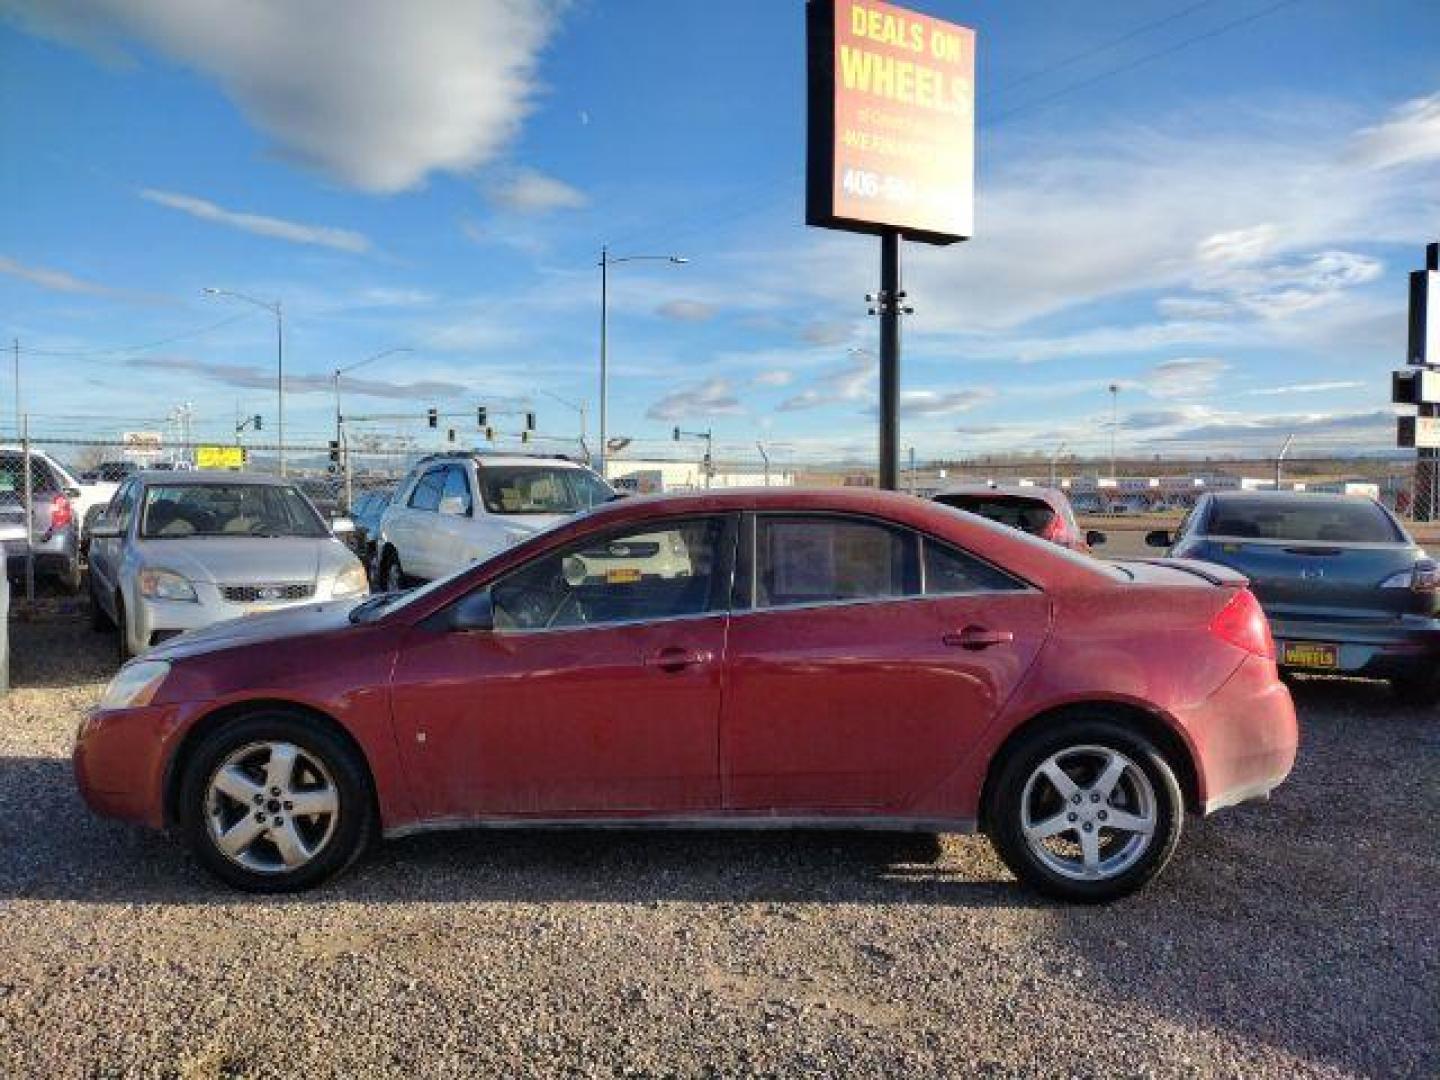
x: 246, y: 560
x: 268, y: 628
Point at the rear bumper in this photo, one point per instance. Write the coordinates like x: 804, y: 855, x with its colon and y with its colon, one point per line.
x: 1245, y: 737
x: 1376, y: 649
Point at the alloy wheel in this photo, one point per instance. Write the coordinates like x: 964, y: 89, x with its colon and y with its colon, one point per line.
x: 1088, y: 813
x: 271, y: 807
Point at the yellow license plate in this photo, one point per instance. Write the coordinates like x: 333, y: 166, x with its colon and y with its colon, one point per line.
x: 1309, y: 654
x: 622, y: 576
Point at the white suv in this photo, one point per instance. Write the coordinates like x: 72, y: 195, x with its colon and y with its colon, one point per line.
x: 455, y: 509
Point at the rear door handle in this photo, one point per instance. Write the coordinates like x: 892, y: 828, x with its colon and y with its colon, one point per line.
x: 677, y: 658
x: 978, y: 637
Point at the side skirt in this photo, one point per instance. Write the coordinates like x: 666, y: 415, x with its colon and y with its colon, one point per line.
x: 715, y: 823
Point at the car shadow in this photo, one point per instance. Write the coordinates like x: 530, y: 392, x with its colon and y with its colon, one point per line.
x: 60, y: 654
x: 53, y: 848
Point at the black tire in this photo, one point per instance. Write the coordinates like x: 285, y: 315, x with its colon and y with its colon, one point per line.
x: 1004, y: 810
x: 122, y: 630
x: 1421, y: 690
x: 354, y: 829
x: 99, y: 620
x: 392, y: 574
x: 69, y: 578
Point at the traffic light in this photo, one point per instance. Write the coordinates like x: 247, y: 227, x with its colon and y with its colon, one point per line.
x: 451, y: 435
x: 529, y: 421
x: 434, y: 417
x: 490, y: 434
x: 481, y: 416
x: 334, y: 451
x: 677, y: 434
x: 259, y: 423
x: 524, y: 436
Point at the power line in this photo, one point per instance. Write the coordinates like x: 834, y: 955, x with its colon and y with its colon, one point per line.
x: 119, y: 349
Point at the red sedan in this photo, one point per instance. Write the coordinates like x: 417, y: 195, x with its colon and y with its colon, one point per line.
x: 764, y: 658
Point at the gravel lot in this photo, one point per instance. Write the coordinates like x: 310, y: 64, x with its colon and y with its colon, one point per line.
x: 1295, y: 938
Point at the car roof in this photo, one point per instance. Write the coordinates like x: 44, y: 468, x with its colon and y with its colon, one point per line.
x: 1045, y: 494
x: 483, y: 459
x: 1290, y: 498
x: 199, y: 478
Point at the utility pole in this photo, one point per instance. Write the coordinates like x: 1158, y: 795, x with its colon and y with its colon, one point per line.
x: 912, y: 470
x: 1114, y: 426
x: 1280, y: 458
x: 765, y: 457
x: 1054, y: 461
x: 17, y: 386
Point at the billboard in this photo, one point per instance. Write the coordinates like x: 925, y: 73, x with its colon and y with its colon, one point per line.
x: 219, y: 457
x: 891, y: 126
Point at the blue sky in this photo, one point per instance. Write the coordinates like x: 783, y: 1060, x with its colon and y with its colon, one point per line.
x: 1215, y: 215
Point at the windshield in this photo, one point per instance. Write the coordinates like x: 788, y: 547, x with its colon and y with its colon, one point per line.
x: 540, y: 489
x: 176, y: 510
x: 1324, y: 520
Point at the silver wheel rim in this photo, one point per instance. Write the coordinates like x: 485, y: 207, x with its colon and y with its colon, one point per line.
x: 1088, y: 813
x: 271, y: 807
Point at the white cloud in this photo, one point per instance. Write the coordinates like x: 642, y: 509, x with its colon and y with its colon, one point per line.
x: 1188, y: 377
x: 1238, y: 245
x: 375, y: 93
x: 692, y: 311
x: 525, y: 191
x: 1410, y: 134
x: 56, y: 280
x: 774, y: 378
x: 925, y: 403
x: 1305, y: 388
x: 295, y: 232
x: 850, y: 381
x: 714, y: 397
x: 833, y: 332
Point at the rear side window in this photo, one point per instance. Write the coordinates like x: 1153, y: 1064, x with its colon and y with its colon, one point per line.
x: 810, y: 560
x: 1323, y: 521
x: 948, y: 570
x: 1033, y: 516
x: 426, y: 495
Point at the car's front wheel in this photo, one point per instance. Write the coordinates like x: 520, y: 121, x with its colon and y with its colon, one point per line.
x: 1087, y: 810
x: 275, y: 802
x: 392, y: 574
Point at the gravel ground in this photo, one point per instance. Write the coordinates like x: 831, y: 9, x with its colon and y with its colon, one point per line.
x: 1296, y: 938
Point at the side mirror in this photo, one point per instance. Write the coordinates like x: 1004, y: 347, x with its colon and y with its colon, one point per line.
x: 1160, y: 538
x: 475, y: 614
x: 342, y: 526
x: 104, y: 527
x: 1095, y: 538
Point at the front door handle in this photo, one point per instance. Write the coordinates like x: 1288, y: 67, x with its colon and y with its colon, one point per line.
x: 677, y: 658
x: 978, y: 637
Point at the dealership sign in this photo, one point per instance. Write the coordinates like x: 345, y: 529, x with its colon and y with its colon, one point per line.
x: 891, y: 121
x: 219, y: 457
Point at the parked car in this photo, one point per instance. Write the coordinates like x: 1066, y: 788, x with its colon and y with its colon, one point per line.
x: 1345, y: 587
x: 368, y: 508
x: 1039, y: 511
x: 179, y: 551
x: 55, y: 500
x: 454, y: 509
x: 832, y: 658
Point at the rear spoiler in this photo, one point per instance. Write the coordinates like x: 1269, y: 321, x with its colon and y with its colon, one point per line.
x: 1206, y: 571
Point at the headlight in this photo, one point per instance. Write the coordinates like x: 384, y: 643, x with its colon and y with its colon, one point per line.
x: 135, y: 684
x: 165, y: 585
x: 350, y: 582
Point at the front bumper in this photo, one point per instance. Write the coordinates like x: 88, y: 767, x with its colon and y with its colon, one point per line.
x: 154, y: 621
x: 1245, y: 737
x: 1372, y: 648
x: 119, y: 761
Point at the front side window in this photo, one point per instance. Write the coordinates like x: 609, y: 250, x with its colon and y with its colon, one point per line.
x: 455, y: 498
x: 540, y: 489
x: 426, y: 495
x: 176, y: 510
x: 664, y: 572
x: 810, y: 560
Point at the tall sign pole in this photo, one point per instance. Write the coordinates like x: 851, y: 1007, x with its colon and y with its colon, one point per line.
x: 1418, y: 384
x: 890, y: 151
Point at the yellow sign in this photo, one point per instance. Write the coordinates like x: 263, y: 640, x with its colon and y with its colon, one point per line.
x: 219, y: 457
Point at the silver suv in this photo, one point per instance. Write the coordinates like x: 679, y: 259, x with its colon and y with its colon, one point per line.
x: 455, y: 509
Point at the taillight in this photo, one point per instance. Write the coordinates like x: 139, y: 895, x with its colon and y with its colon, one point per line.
x: 61, y: 513
x: 1242, y: 623
x: 1054, y: 531
x: 1423, y: 577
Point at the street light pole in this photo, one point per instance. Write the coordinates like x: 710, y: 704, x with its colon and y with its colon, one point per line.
x: 277, y: 310
x: 607, y: 261
x: 1114, y: 424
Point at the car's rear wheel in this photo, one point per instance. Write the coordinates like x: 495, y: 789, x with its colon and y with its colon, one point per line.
x: 392, y: 574
x: 274, y: 802
x: 1087, y: 810
x: 69, y: 577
